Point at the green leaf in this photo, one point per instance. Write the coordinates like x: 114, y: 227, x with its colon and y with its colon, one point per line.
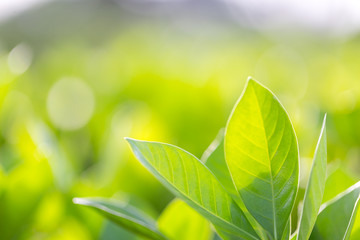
x: 214, y: 159
x: 261, y: 151
x: 352, y: 220
x: 111, y: 231
x: 179, y: 221
x: 226, y: 234
x: 125, y: 216
x: 294, y: 236
x: 338, y: 180
x: 355, y: 233
x: 336, y: 217
x: 287, y: 232
x: 315, y: 188
x: 189, y: 179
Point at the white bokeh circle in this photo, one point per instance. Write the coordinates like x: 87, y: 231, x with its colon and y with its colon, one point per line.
x: 70, y: 103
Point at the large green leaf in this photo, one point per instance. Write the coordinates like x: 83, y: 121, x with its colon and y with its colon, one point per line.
x: 337, y: 216
x: 315, y: 188
x: 189, y: 179
x: 125, y: 216
x: 179, y: 221
x: 261, y: 151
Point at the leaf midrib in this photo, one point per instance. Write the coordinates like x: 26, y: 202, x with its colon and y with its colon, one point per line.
x: 268, y: 156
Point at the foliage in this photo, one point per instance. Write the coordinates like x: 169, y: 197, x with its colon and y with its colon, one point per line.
x: 247, y: 181
x: 169, y: 81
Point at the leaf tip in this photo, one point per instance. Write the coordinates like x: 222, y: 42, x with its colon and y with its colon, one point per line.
x: 324, y: 123
x: 254, y: 83
x: 77, y: 201
x: 130, y: 140
x: 251, y: 80
x: 133, y: 143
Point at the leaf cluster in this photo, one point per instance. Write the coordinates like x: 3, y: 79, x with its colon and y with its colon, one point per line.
x: 245, y: 184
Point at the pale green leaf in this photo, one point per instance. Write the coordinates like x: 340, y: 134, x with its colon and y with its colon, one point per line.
x: 189, y: 179
x: 336, y: 217
x: 179, y: 221
x: 315, y: 188
x: 125, y: 216
x: 261, y: 151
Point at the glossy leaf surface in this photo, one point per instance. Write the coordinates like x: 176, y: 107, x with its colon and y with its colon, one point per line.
x: 125, y: 216
x: 315, y: 188
x: 179, y: 221
x: 189, y: 179
x: 337, y: 216
x: 262, y: 155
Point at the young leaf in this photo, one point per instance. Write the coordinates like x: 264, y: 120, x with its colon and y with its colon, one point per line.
x: 315, y: 188
x: 125, y: 216
x: 336, y: 217
x: 261, y: 151
x: 214, y: 159
x: 179, y: 221
x: 189, y: 179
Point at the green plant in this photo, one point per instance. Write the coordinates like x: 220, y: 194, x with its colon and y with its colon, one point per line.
x: 245, y: 184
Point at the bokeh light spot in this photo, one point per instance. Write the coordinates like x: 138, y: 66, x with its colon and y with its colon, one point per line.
x: 70, y: 103
x: 20, y: 58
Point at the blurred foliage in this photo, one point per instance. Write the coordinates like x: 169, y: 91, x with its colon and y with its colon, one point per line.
x: 151, y: 80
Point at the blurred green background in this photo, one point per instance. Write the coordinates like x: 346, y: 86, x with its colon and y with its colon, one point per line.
x: 76, y: 77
